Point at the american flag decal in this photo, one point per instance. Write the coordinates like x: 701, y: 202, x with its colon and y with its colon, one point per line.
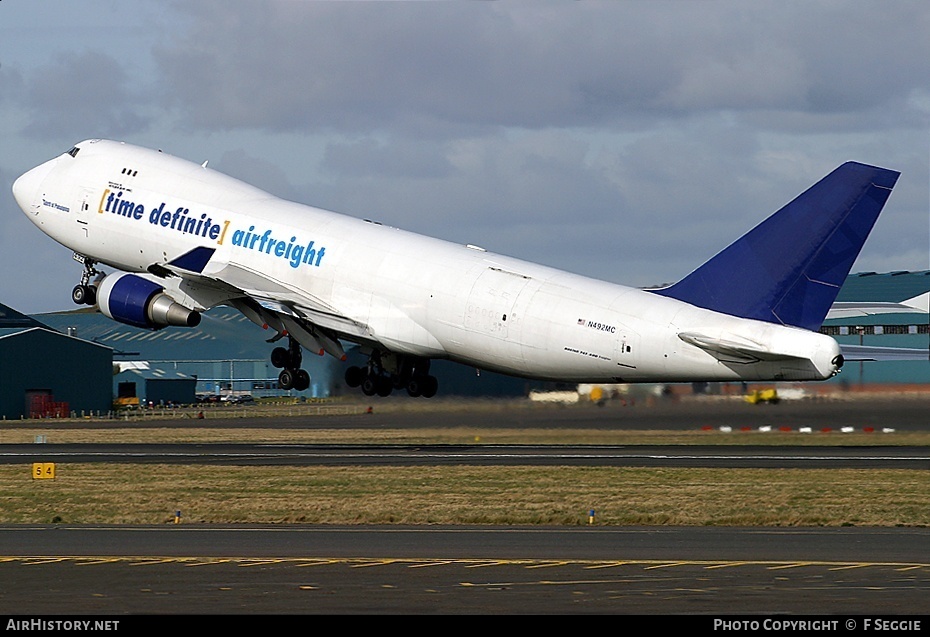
x: 580, y: 321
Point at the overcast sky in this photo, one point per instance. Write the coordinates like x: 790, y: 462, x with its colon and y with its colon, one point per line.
x: 628, y: 141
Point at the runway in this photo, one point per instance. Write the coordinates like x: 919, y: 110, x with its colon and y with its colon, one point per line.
x: 463, y: 570
x: 692, y: 573
x: 720, y: 456
x: 821, y: 415
x: 823, y: 418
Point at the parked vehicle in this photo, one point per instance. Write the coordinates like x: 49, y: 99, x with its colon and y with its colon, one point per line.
x: 238, y: 399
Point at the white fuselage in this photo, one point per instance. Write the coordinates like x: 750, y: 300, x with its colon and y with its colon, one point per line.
x: 131, y: 208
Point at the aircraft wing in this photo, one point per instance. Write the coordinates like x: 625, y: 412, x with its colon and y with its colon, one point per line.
x: 268, y: 303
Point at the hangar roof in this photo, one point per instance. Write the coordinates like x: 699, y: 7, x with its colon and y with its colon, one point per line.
x: 891, y: 287
x: 12, y: 332
x: 221, y: 328
x: 11, y: 319
x: 153, y: 373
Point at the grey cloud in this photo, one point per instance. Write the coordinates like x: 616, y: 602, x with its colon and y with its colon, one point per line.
x: 365, y: 66
x: 257, y: 172
x: 11, y: 83
x: 399, y: 158
x: 82, y: 95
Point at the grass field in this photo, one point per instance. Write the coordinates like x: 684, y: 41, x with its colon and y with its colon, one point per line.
x: 151, y: 494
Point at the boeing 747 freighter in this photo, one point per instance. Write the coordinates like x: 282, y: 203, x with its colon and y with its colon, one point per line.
x: 184, y: 238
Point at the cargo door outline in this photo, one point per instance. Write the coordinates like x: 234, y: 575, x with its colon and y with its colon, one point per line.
x: 495, y: 307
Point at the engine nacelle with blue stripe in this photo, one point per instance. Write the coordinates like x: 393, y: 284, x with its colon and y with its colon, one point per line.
x: 133, y: 300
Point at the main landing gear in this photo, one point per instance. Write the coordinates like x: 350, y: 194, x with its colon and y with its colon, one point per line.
x: 387, y: 372
x: 289, y: 358
x: 85, y: 293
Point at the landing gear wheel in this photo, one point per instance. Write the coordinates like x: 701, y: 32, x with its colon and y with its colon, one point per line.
x: 301, y: 380
x: 425, y: 386
x: 430, y: 387
x: 286, y: 379
x: 354, y: 376
x: 370, y: 385
x: 415, y: 387
x: 83, y: 295
x: 384, y: 386
x: 280, y: 357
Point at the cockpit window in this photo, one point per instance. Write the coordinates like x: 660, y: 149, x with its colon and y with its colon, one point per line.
x: 74, y: 151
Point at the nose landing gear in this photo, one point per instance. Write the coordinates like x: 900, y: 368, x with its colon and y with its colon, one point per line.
x: 85, y: 293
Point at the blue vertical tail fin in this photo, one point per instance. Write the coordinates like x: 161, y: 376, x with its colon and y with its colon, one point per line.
x: 789, y: 268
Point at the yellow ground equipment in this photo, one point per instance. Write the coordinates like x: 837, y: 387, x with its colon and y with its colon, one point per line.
x: 762, y: 396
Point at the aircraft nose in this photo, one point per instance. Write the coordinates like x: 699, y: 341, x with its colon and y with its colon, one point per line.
x: 26, y: 187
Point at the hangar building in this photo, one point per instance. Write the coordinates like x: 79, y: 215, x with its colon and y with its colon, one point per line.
x: 225, y: 354
x: 883, y: 310
x: 138, y: 383
x: 46, y: 373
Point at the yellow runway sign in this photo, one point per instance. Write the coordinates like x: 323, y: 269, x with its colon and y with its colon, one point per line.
x: 43, y: 470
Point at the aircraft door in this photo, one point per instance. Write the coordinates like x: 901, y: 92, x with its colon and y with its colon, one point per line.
x: 84, y: 210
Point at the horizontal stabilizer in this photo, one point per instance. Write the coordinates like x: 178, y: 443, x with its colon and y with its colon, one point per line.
x: 789, y: 269
x: 733, y: 351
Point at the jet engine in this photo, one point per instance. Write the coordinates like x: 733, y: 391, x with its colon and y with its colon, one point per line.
x: 130, y: 299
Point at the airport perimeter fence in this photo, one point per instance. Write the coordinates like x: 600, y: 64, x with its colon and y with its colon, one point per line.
x: 202, y: 412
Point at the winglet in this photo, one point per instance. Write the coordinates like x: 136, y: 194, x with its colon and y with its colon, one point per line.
x: 789, y: 268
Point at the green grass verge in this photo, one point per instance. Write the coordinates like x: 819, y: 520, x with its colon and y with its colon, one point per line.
x: 151, y: 494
